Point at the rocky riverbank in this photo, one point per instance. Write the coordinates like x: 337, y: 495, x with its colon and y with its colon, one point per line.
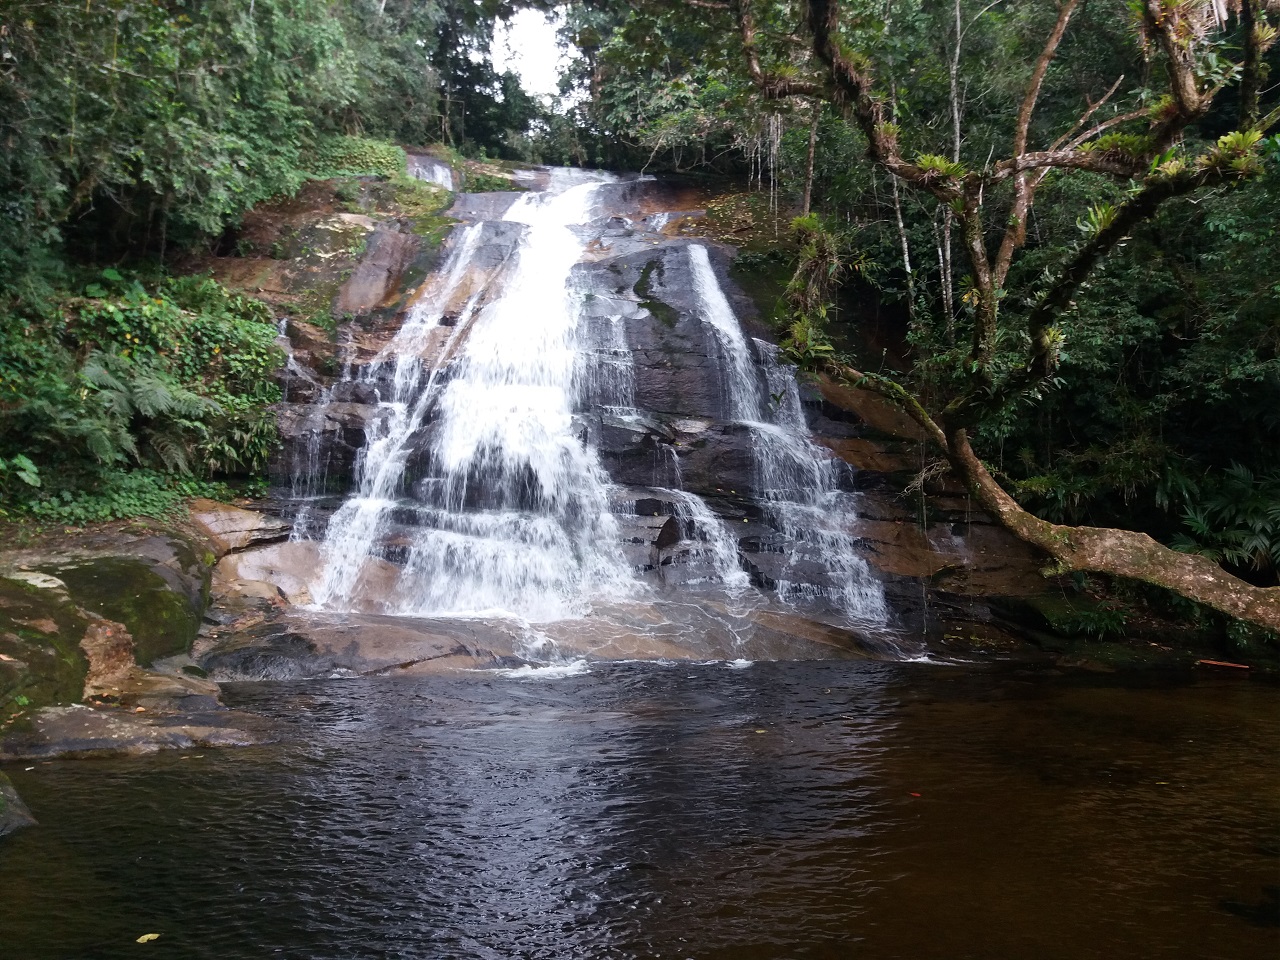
x: 115, y: 638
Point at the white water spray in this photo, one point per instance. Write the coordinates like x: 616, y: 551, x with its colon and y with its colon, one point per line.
x: 511, y: 513
x: 796, y: 481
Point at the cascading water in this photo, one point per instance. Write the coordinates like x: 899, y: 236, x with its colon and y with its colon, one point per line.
x: 355, y: 530
x: 800, y: 496
x: 511, y: 513
x: 530, y: 362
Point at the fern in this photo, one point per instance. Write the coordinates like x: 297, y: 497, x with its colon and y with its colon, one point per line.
x: 1236, y: 522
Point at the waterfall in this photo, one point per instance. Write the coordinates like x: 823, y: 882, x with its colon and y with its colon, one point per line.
x: 709, y: 540
x: 796, y: 479
x: 511, y: 512
x: 355, y: 530
x: 480, y: 489
x: 431, y: 170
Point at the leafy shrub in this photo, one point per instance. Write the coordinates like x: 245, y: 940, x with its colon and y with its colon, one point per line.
x: 356, y: 156
x: 167, y: 381
x: 477, y: 181
x: 1235, y: 520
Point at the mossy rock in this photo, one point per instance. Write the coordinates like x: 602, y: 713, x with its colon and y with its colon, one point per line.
x: 663, y: 312
x: 764, y: 278
x: 40, y: 657
x: 161, y: 620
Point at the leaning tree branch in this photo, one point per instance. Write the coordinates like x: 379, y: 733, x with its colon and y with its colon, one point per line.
x: 1120, y: 553
x: 1126, y: 554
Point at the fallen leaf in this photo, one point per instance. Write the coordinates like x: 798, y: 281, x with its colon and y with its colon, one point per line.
x: 762, y: 731
x: 915, y: 794
x: 148, y: 937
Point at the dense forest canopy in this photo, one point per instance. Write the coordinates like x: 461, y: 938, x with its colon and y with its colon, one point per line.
x: 1066, y: 208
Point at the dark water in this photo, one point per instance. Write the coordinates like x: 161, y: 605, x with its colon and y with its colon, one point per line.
x: 685, y: 811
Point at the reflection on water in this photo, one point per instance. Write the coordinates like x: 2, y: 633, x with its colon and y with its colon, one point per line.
x: 764, y: 810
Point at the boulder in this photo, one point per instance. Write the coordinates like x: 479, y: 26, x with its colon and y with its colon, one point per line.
x: 14, y: 814
x: 302, y: 645
x: 231, y: 529
x: 287, y: 568
x: 81, y: 730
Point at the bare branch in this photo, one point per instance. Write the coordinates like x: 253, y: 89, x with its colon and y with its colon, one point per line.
x: 1084, y: 117
x: 1027, y: 110
x: 1015, y: 234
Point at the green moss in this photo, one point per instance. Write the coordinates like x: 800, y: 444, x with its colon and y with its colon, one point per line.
x: 315, y: 305
x: 764, y: 277
x: 45, y: 665
x: 161, y: 620
x: 644, y: 290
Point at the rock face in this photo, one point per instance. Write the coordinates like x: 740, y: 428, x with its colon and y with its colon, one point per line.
x: 658, y: 408
x: 231, y: 529
x: 109, y: 616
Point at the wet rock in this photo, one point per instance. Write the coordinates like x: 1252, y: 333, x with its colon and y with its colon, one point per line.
x: 675, y: 355
x: 14, y: 814
x: 320, y: 442
x: 231, y: 529
x: 644, y: 538
x: 374, y: 282
x: 81, y: 730
x: 483, y: 206
x: 283, y: 569
x: 874, y: 456
x: 825, y: 638
x: 301, y: 646
x: 634, y: 451
x: 717, y: 459
x: 423, y: 166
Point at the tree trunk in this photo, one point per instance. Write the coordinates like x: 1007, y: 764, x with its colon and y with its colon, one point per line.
x: 1120, y: 553
x: 808, y: 170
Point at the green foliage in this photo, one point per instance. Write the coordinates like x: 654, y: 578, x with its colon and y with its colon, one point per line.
x: 123, y: 495
x: 821, y: 264
x: 1235, y: 519
x: 1098, y: 620
x: 172, y: 378
x: 477, y: 181
x: 931, y: 163
x: 1098, y: 218
x: 13, y: 471
x: 131, y: 127
x: 355, y: 156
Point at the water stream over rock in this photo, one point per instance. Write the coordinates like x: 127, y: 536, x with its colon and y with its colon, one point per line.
x: 572, y: 428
